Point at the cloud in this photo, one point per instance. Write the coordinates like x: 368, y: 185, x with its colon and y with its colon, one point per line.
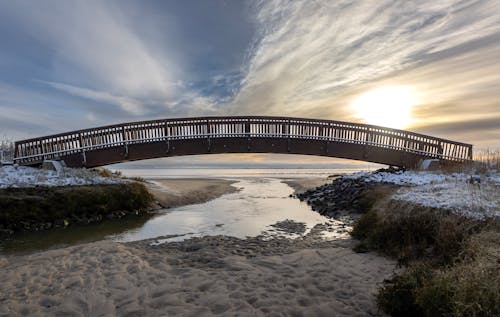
x: 130, y: 105
x: 308, y: 52
x: 93, y: 38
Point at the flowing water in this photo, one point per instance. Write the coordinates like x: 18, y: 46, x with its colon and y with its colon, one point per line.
x: 259, y: 203
x: 262, y: 200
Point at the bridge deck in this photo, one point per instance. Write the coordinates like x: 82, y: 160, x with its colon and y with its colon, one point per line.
x: 185, y: 136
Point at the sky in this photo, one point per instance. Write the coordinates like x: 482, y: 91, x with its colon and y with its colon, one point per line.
x: 426, y: 66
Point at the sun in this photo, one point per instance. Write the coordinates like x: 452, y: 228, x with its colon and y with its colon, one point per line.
x: 388, y: 106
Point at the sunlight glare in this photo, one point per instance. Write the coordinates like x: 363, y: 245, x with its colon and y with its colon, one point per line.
x: 386, y: 106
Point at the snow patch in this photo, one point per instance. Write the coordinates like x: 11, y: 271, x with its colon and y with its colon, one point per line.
x: 22, y: 176
x: 409, y: 178
x: 478, y: 201
x: 453, y: 192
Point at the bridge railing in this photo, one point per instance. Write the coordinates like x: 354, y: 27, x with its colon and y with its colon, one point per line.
x: 58, y: 145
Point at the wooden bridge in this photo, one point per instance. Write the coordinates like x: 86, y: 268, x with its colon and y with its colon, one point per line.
x: 255, y: 134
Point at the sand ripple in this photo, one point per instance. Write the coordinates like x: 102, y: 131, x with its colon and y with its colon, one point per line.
x: 199, y: 277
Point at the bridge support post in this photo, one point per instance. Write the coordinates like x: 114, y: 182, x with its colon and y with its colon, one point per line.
x: 247, y: 132
x: 287, y: 129
x: 84, y: 157
x: 167, y: 136
x: 208, y: 137
x: 125, y: 143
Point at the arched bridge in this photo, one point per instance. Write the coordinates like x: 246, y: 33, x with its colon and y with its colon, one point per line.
x: 255, y: 134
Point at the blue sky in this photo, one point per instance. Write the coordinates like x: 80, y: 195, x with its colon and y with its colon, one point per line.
x: 68, y: 65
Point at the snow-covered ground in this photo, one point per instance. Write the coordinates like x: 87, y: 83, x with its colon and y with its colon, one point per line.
x: 23, y: 176
x: 410, y: 178
x: 452, y: 192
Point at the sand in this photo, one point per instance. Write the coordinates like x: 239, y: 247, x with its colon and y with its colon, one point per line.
x: 211, y: 276
x: 179, y: 192
x: 300, y: 185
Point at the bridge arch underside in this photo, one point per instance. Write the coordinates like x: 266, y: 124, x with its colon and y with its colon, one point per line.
x: 181, y: 147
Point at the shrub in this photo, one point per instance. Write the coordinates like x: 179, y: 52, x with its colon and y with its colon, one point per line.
x: 19, y: 206
x: 452, y: 261
x: 372, y: 196
x: 104, y: 172
x: 470, y: 287
x: 409, y: 232
x: 397, y: 296
x: 465, y: 290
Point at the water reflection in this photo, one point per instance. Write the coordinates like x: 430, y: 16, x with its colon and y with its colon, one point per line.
x: 28, y: 242
x: 249, y: 212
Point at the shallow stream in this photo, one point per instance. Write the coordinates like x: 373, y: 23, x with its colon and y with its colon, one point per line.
x: 259, y: 203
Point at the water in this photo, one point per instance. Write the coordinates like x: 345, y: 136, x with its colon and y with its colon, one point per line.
x: 249, y: 212
x: 263, y: 199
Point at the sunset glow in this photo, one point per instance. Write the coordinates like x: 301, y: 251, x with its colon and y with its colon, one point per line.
x: 386, y: 106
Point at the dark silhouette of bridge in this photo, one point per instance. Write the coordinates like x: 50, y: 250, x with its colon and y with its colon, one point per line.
x: 255, y: 134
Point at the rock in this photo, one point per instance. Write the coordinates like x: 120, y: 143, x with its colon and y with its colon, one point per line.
x: 340, y: 196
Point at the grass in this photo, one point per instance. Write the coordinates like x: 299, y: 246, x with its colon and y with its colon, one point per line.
x: 104, y: 172
x: 6, y: 149
x: 468, y: 287
x: 452, y: 262
x: 488, y: 159
x: 485, y: 160
x: 26, y: 208
x: 409, y: 232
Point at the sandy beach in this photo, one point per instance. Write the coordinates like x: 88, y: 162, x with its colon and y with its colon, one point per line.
x: 209, y: 276
x: 199, y: 277
x: 185, y: 191
x: 302, y: 184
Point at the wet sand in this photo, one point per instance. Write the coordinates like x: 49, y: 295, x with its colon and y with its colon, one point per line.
x: 199, y: 277
x: 179, y: 192
x: 300, y: 185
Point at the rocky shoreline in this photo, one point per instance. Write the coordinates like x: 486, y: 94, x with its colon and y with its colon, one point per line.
x: 345, y: 196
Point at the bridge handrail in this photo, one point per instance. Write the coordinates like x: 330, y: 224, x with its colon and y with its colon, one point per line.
x: 245, y: 126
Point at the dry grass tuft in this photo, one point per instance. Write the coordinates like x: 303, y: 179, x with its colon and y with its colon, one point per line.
x: 6, y: 149
x: 452, y: 262
x: 488, y: 159
x: 104, y: 172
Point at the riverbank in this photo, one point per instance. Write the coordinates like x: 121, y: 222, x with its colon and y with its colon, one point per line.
x: 43, y: 208
x: 187, y: 191
x: 41, y: 199
x: 201, y: 276
x: 443, y: 228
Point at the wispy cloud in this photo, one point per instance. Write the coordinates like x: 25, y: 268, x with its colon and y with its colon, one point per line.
x: 99, y: 52
x: 130, y: 105
x: 310, y: 51
x: 93, y: 38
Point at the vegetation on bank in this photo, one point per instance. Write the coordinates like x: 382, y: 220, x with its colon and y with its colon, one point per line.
x: 452, y: 262
x: 39, y: 208
x: 6, y: 150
